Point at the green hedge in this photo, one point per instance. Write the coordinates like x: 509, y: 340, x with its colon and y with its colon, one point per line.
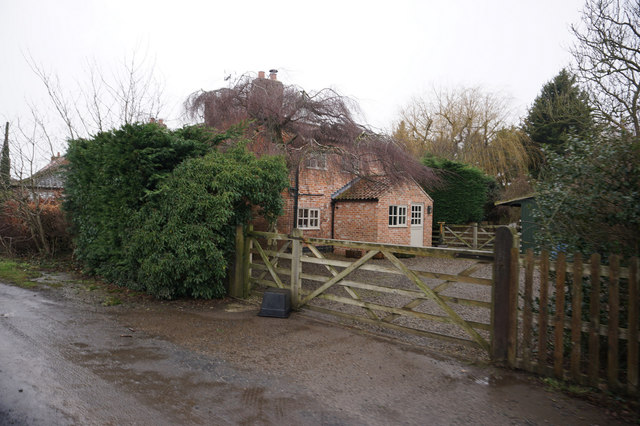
x: 154, y: 209
x: 463, y: 194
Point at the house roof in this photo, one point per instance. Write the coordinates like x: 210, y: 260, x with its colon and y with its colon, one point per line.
x: 515, y: 201
x: 54, y: 165
x: 369, y: 188
x: 50, y: 176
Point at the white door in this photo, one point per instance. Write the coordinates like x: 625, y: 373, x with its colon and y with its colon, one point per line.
x: 417, y: 225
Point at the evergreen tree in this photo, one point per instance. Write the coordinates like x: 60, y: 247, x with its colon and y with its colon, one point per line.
x: 561, y: 111
x: 5, y: 162
x: 588, y: 198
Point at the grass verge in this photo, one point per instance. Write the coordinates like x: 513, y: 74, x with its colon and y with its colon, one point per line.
x: 18, y: 273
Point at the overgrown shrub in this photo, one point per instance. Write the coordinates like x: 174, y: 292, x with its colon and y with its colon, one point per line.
x: 156, y: 210
x: 185, y: 236
x: 464, y: 192
x: 109, y: 178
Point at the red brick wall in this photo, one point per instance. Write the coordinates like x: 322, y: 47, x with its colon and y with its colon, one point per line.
x: 354, y: 220
x: 315, y: 189
x: 369, y: 221
x: 403, y: 194
x: 284, y: 222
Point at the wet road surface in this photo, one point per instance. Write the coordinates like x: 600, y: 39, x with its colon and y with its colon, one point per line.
x: 67, y: 362
x: 62, y: 364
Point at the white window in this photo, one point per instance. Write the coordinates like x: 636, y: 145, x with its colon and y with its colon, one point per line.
x: 316, y: 161
x: 308, y: 218
x: 397, y: 215
x: 416, y: 214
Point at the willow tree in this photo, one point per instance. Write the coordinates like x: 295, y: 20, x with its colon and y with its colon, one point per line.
x: 290, y: 120
x: 469, y: 126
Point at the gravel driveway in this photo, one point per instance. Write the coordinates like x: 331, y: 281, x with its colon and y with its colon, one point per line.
x: 430, y: 264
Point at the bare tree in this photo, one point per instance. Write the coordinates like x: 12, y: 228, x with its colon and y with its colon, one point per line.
x: 466, y: 125
x: 30, y: 217
x: 104, y: 101
x: 607, y: 55
x: 98, y: 103
x: 290, y: 120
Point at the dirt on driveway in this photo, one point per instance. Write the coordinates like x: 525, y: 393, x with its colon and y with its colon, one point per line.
x: 217, y: 362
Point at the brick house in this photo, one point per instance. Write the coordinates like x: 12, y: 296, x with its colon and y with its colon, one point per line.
x: 375, y: 209
x: 334, y: 203
x: 47, y: 183
x: 328, y: 197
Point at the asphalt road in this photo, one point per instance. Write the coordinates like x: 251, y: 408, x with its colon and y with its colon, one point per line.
x: 64, y: 361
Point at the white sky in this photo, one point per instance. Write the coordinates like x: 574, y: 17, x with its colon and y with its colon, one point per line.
x: 379, y: 52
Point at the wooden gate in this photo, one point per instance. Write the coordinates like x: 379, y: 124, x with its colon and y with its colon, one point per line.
x: 406, y: 289
x: 396, y: 287
x: 473, y: 235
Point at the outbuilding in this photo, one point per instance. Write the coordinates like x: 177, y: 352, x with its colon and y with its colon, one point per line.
x: 375, y: 209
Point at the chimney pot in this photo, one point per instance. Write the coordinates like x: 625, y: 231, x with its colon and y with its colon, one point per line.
x: 273, y: 74
x: 260, y: 74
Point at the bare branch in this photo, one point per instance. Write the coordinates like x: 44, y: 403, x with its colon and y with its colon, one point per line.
x: 302, y: 123
x: 607, y: 56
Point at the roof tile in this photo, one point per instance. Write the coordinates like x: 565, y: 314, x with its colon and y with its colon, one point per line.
x: 363, y: 188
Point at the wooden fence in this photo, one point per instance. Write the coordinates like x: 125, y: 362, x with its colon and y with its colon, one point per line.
x: 578, y: 321
x: 472, y: 236
x: 543, y: 315
x: 379, y: 288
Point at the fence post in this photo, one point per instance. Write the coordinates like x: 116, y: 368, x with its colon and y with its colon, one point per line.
x: 235, y: 289
x: 441, y: 233
x: 475, y: 235
x: 296, y: 281
x: 503, y: 294
x: 246, y: 264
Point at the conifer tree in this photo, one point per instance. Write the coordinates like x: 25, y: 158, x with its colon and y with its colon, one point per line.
x: 561, y: 111
x: 5, y: 162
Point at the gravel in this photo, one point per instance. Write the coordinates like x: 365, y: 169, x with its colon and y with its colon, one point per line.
x: 430, y: 264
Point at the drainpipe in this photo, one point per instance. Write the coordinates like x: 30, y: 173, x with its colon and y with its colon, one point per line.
x: 295, y: 197
x: 333, y: 215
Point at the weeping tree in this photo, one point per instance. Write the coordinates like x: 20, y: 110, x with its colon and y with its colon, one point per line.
x: 466, y: 125
x: 289, y: 120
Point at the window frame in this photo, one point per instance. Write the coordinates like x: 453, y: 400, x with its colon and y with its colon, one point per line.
x: 421, y: 209
x: 317, y: 161
x: 304, y: 221
x: 397, y: 217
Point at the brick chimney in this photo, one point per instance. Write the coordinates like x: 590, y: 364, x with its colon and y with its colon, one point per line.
x: 266, y: 95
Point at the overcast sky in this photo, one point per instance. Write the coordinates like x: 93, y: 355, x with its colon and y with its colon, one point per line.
x: 379, y: 52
